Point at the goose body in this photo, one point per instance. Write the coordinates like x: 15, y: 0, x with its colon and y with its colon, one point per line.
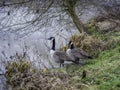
x: 58, y: 56
x: 77, y: 53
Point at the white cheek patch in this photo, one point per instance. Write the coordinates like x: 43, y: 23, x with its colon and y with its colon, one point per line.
x: 71, y: 43
x: 52, y: 39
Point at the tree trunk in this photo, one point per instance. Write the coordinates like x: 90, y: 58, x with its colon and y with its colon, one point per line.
x: 76, y: 21
x: 71, y: 11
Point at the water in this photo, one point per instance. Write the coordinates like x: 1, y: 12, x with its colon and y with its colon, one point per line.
x: 3, y: 83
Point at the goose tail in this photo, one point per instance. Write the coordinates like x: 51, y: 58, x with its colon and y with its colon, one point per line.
x: 90, y: 57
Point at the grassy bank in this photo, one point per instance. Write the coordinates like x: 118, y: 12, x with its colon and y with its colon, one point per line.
x: 102, y: 72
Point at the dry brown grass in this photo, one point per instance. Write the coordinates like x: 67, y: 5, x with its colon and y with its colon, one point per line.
x: 91, y: 44
x: 21, y: 76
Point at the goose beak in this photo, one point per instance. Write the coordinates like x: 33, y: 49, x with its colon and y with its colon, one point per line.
x: 49, y: 40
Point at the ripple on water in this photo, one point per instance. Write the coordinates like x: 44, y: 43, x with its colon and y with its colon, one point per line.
x: 3, y: 85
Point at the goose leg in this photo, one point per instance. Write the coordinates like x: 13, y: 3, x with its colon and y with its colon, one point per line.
x: 63, y: 64
x: 77, y: 60
x: 60, y: 64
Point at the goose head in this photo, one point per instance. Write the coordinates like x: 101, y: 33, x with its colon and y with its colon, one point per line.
x: 51, y: 38
x: 70, y: 42
x: 53, y: 42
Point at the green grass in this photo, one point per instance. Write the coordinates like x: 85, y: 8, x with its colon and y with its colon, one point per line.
x: 103, y: 73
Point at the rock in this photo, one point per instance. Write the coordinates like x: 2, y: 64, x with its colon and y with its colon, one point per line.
x: 107, y: 25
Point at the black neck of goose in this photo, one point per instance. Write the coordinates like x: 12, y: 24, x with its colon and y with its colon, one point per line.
x: 53, y: 46
x: 72, y: 46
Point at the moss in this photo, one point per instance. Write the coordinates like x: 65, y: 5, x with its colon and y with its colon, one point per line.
x: 91, y: 26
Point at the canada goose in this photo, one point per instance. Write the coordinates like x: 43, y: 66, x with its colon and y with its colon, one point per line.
x: 77, y: 53
x: 58, y: 56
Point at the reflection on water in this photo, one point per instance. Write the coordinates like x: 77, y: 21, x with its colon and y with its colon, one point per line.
x: 3, y: 85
